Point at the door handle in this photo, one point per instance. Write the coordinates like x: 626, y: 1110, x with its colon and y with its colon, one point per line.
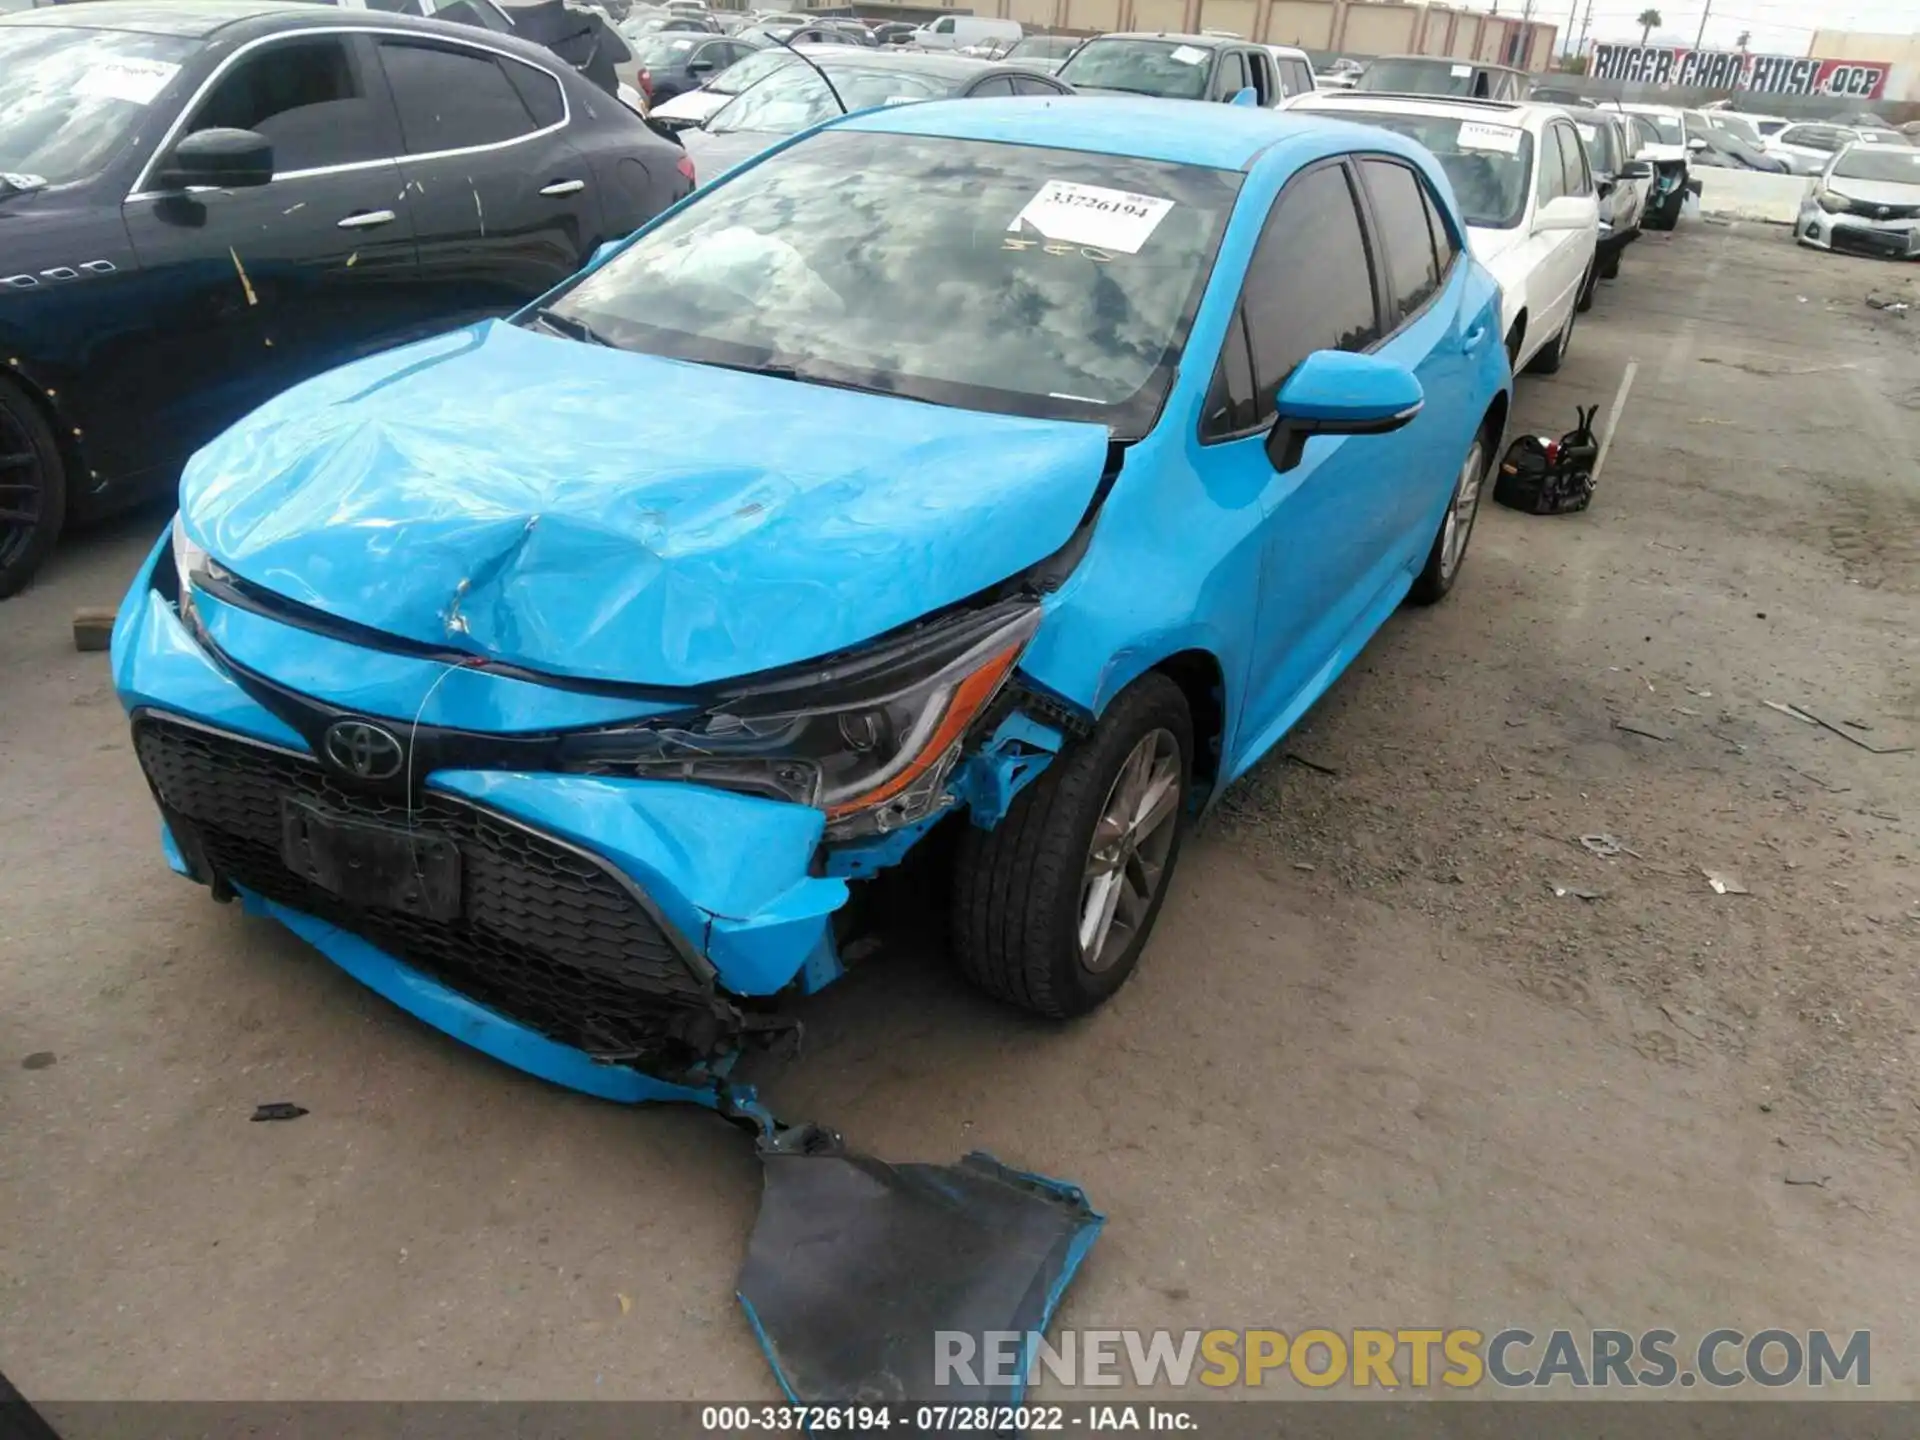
x: 564, y: 187
x: 367, y: 219
x: 1471, y: 342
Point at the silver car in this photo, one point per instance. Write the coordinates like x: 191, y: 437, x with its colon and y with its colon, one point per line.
x: 1867, y: 201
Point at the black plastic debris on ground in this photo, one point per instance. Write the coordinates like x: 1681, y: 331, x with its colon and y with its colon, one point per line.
x: 277, y: 1110
x: 856, y: 1265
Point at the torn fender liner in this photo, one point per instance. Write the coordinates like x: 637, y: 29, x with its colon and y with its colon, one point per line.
x: 856, y: 1264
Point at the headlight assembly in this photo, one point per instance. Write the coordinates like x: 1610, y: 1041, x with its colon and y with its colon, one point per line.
x: 871, y: 741
x: 190, y: 560
x: 1828, y: 201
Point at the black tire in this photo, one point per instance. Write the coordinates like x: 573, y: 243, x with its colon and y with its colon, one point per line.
x: 1587, y: 287
x: 1665, y: 214
x: 33, y: 489
x: 1017, y: 891
x: 1435, y: 579
x: 1548, y: 359
x: 1611, y: 270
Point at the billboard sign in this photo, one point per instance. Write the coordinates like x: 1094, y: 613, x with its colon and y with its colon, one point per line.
x: 1734, y: 70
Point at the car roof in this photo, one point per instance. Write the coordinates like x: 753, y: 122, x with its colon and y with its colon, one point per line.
x: 1452, y: 60
x: 1522, y: 113
x: 187, y: 18
x: 1209, y: 42
x: 918, y: 62
x: 1221, y: 137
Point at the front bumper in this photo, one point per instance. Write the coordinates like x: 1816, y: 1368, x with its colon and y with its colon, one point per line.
x: 628, y: 922
x: 1857, y: 234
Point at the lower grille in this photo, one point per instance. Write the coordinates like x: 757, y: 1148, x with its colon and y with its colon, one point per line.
x: 1850, y: 238
x: 545, y: 935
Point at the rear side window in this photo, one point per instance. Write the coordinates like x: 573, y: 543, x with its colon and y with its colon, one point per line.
x: 452, y: 99
x: 539, y: 92
x: 1400, y: 210
x: 1034, y: 85
x: 306, y: 97
x: 1550, y: 175
x: 992, y: 86
x: 1445, y: 252
x: 1310, y: 286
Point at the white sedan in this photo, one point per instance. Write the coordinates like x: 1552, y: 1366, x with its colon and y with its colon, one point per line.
x: 1520, y: 174
x: 689, y: 109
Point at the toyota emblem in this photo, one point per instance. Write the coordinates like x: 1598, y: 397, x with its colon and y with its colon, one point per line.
x: 364, y: 751
x: 1881, y: 212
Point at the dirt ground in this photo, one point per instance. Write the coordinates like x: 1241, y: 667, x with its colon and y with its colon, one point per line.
x: 1374, y: 1070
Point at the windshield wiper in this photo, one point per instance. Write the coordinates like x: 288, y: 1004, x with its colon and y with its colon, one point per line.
x: 571, y: 328
x: 794, y: 372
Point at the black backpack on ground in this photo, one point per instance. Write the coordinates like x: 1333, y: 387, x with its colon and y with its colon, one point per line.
x: 1550, y: 477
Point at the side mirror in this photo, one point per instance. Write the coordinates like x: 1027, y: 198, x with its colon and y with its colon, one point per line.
x: 1563, y: 212
x: 218, y: 159
x: 1696, y: 144
x: 1637, y: 170
x: 700, y: 67
x: 1333, y: 392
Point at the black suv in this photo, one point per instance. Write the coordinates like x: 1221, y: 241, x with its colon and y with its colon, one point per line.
x: 1173, y: 67
x: 203, y: 202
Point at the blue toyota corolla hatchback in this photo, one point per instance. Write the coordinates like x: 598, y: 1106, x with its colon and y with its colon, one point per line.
x: 1024, y: 464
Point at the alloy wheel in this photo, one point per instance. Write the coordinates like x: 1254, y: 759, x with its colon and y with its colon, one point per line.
x: 1127, y: 857
x: 22, y: 491
x: 1461, y: 513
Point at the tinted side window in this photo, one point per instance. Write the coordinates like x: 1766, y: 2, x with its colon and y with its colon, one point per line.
x: 1233, y: 75
x: 1400, y: 213
x: 539, y: 92
x: 1232, y: 405
x: 1299, y: 77
x: 306, y: 97
x: 1034, y: 85
x: 397, y: 7
x: 1444, y: 250
x: 944, y: 26
x: 997, y: 85
x: 1310, y: 286
x: 1573, y: 161
x: 451, y: 99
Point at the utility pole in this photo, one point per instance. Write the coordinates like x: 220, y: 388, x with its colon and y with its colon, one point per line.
x: 1573, y: 17
x: 1580, y: 46
x: 1525, y: 47
x: 1699, y: 34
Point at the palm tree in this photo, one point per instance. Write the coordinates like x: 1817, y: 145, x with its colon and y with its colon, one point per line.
x: 1647, y: 20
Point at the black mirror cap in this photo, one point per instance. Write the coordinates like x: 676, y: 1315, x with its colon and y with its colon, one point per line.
x: 1287, y: 440
x: 221, y: 158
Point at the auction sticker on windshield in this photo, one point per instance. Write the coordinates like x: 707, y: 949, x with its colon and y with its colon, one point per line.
x: 1476, y: 136
x: 1093, y: 215
x: 1188, y: 55
x: 134, y: 81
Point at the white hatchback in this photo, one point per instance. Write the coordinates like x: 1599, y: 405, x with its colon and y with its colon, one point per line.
x: 1521, y: 178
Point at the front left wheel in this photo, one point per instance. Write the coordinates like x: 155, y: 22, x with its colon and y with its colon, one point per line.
x: 1052, y: 907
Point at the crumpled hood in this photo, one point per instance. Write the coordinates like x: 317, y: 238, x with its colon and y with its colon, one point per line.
x: 1876, y: 192
x: 600, y: 514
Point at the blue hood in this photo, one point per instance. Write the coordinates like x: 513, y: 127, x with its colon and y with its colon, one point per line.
x: 600, y: 514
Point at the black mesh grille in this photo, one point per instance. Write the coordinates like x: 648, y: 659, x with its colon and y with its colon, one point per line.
x: 546, y: 935
x: 1890, y: 243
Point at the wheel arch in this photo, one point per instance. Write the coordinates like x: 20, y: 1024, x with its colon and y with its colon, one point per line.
x: 1197, y: 670
x: 66, y: 434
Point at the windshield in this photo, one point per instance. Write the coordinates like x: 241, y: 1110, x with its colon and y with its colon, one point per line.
x: 1050, y: 283
x: 1141, y: 67
x: 1598, y: 140
x: 69, y: 97
x: 1419, y: 77
x: 1043, y: 47
x: 1491, y: 166
x: 1879, y: 162
x: 665, y: 48
x: 750, y: 71
x: 1668, y: 128
x: 795, y: 97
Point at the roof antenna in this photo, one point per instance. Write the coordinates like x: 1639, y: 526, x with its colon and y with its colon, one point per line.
x: 807, y: 61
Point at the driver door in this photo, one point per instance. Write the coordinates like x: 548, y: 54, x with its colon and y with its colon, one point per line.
x: 252, y: 290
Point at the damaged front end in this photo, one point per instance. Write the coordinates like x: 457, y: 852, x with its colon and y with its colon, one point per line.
x: 616, y: 907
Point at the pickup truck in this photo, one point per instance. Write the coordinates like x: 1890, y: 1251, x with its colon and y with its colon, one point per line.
x: 1174, y: 67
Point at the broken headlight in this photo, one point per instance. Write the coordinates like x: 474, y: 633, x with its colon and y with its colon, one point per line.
x: 871, y: 741
x: 1828, y: 201
x: 190, y: 560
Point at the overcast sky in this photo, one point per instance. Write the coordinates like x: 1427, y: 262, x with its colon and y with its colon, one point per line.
x: 1779, y: 27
